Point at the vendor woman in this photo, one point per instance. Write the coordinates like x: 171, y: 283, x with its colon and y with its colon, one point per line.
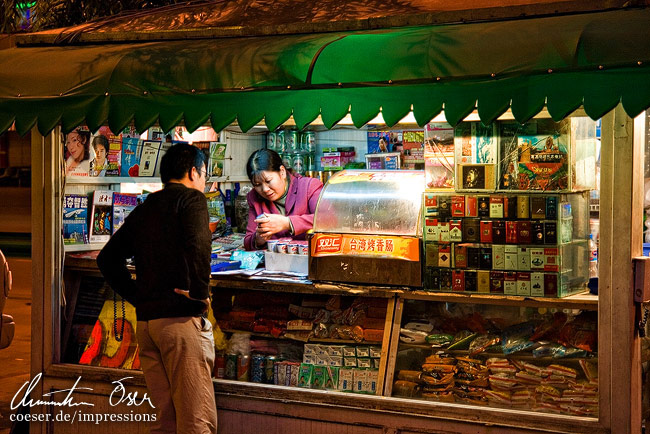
x: 280, y: 204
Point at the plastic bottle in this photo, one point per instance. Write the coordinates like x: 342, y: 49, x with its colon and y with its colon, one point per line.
x: 593, y: 257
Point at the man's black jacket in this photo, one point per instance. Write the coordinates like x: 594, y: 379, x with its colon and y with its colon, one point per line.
x: 169, y: 238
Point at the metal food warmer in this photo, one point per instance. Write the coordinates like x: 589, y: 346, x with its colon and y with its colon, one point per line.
x: 367, y: 228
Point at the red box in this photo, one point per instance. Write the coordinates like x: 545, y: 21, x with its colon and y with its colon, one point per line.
x: 524, y: 235
x: 471, y: 206
x: 486, y: 231
x: 431, y: 200
x: 551, y: 259
x: 444, y: 255
x: 460, y: 256
x: 550, y: 285
x: 496, y: 282
x: 458, y: 206
x: 458, y: 280
x: 511, y: 232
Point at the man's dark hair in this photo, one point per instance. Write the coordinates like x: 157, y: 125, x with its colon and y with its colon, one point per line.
x: 179, y: 160
x: 102, y: 141
x: 263, y: 160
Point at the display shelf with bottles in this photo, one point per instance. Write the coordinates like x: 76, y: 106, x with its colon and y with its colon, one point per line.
x: 529, y: 359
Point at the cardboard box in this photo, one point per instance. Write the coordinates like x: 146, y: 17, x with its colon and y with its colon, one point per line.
x: 286, y: 262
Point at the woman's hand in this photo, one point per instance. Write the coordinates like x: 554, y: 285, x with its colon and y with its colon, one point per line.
x: 270, y: 225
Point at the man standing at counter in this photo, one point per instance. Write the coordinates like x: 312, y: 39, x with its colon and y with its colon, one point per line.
x: 169, y: 238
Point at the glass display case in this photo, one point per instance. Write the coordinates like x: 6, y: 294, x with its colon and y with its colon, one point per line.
x: 526, y: 245
x: 548, y: 156
x: 367, y: 228
x: 521, y: 358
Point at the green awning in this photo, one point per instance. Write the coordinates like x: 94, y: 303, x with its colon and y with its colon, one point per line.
x: 593, y: 60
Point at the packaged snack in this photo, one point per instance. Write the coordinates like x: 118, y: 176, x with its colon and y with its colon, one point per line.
x: 439, y: 339
x: 590, y: 369
x: 502, y: 381
x: 517, y: 338
x: 305, y: 375
x: 419, y: 326
x: 437, y: 369
x: 446, y: 396
x: 498, y: 397
x: 432, y: 381
x: 444, y: 359
x: 406, y: 388
x: 318, y: 377
x: 364, y: 362
x: 482, y: 343
x: 563, y: 371
x: 332, y: 380
x: 346, y: 379
x: 412, y: 376
x: 299, y: 324
x: 412, y: 336
x: 462, y: 340
x: 363, y: 351
x: 528, y: 379
x: 500, y: 366
x: 375, y: 352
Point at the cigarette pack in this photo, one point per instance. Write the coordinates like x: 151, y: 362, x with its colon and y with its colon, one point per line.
x: 471, y: 206
x: 499, y: 232
x: 486, y: 231
x: 460, y: 256
x: 496, y: 282
x: 523, y: 259
x: 458, y: 280
x: 471, y: 281
x: 537, y: 284
x: 458, y: 206
x: 523, y: 283
x: 496, y: 207
x: 510, y: 283
x: 455, y: 230
x: 498, y: 257
x: 483, y: 281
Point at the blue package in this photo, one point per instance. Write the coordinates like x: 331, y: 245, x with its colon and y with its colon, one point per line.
x: 215, y: 267
x: 249, y: 260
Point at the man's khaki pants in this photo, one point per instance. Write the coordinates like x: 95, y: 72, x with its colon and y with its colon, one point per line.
x: 177, y: 358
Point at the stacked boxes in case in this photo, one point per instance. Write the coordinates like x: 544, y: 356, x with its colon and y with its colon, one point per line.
x: 527, y: 245
x: 340, y: 367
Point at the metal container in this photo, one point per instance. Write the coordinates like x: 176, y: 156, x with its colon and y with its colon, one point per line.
x: 230, y: 372
x: 219, y: 366
x: 257, y: 368
x: 292, y: 141
x: 243, y: 367
x: 271, y: 141
x: 308, y: 141
x: 280, y: 143
x: 298, y: 164
x: 269, y: 369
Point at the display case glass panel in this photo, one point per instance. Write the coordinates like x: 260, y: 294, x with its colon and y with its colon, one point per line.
x: 543, y: 155
x: 531, y: 359
x: 526, y: 244
x: 383, y: 202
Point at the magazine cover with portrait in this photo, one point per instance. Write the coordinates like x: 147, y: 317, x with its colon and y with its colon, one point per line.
x: 77, y: 154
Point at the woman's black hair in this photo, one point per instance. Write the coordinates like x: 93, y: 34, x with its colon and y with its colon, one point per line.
x: 84, y: 138
x: 263, y: 160
x: 100, y: 140
x: 179, y: 160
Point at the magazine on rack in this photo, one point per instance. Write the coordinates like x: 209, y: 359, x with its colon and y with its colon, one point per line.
x: 149, y: 157
x: 75, y: 219
x: 123, y: 204
x: 101, y: 216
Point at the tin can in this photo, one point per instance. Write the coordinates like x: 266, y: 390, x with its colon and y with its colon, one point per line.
x: 310, y: 162
x: 303, y: 249
x: 298, y: 163
x: 286, y: 160
x: 219, y: 366
x: 293, y: 249
x: 270, y: 140
x: 282, y: 248
x: 280, y: 144
x: 308, y: 141
x: 257, y: 368
x: 269, y: 369
x: 292, y: 141
x: 230, y: 371
x: 243, y: 367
